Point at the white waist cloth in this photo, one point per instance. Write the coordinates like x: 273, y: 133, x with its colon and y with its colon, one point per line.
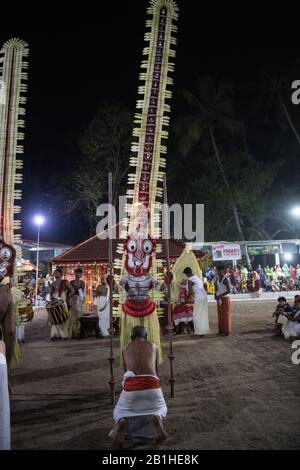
x: 103, y: 314
x: 4, y: 406
x: 200, y: 317
x: 290, y: 329
x: 198, y: 289
x: 20, y: 333
x: 140, y: 403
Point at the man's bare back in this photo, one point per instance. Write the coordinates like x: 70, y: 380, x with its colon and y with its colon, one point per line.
x: 140, y: 356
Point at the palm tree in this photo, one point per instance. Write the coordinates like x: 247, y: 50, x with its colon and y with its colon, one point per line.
x: 210, y: 111
x: 274, y: 89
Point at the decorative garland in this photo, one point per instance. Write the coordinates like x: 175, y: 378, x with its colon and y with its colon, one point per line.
x: 145, y: 184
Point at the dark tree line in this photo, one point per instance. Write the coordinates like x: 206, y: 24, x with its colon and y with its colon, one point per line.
x: 234, y: 149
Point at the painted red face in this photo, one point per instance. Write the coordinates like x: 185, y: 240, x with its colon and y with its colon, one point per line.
x: 139, y: 252
x: 7, y: 258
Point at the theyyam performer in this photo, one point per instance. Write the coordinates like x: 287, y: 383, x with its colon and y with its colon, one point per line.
x: 13, y: 77
x: 141, y: 275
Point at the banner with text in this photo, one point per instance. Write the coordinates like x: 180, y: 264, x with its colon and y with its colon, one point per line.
x: 226, y: 252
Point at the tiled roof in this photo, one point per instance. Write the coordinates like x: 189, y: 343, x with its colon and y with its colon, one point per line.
x: 96, y: 250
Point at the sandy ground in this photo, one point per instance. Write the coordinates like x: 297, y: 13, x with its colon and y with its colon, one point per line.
x: 241, y: 392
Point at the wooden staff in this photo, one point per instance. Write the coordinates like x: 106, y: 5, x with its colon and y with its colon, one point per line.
x: 110, y: 261
x: 170, y: 323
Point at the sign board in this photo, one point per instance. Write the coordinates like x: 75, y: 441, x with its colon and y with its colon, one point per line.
x: 226, y: 252
x: 263, y: 249
x: 289, y: 248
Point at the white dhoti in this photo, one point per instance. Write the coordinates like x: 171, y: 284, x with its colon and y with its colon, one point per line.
x: 290, y: 329
x: 20, y: 332
x: 200, y: 317
x: 4, y: 406
x: 140, y: 402
x: 103, y: 314
x: 77, y: 309
x: 63, y: 330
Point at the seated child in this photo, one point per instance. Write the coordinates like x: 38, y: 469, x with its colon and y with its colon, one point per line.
x: 283, y: 308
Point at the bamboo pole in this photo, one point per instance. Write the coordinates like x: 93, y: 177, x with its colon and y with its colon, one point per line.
x: 110, y: 261
x: 170, y: 323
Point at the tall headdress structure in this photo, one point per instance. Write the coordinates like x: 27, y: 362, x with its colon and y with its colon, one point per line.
x: 138, y: 264
x: 13, y: 86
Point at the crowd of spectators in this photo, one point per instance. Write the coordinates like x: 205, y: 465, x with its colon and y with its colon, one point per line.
x: 245, y: 279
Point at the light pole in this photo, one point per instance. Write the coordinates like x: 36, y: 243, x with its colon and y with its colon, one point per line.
x: 38, y: 220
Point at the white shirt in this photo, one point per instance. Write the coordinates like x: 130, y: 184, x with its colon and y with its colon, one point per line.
x: 222, y: 288
x: 198, y: 289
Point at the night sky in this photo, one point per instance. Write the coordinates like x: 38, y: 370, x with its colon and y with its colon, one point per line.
x: 72, y: 73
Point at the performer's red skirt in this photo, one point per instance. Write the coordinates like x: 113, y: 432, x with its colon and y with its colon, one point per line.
x: 142, y: 308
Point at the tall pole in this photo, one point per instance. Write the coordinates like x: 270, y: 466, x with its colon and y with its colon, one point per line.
x: 110, y: 260
x: 37, y: 265
x: 13, y: 76
x: 170, y: 323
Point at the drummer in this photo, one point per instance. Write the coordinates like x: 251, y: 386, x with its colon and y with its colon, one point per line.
x: 61, y: 289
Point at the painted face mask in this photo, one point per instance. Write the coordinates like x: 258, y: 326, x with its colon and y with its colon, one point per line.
x: 139, y: 250
x: 7, y: 258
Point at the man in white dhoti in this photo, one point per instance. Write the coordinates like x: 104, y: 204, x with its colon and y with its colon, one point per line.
x: 77, y: 303
x: 200, y: 310
x: 61, y: 289
x: 291, y: 322
x: 103, y: 310
x: 141, y: 405
x: 4, y: 402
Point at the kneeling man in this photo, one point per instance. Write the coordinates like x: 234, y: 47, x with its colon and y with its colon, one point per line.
x: 141, y: 405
